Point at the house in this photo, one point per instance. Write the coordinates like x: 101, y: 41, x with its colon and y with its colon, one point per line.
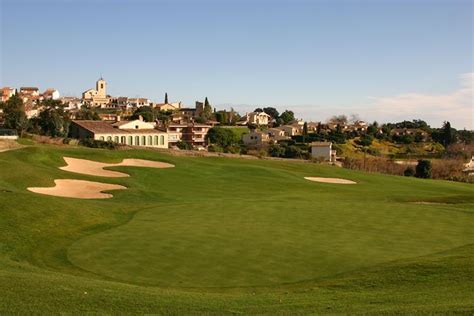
x: 292, y: 130
x: 423, y: 135
x: 360, y: 126
x: 6, y: 93
x: 132, y: 133
x: 168, y: 106
x: 138, y: 102
x: 277, y: 134
x: 71, y: 103
x: 255, y: 118
x: 323, y: 151
x: 29, y: 91
x: 51, y: 94
x: 192, y: 133
x: 98, y: 96
x: 256, y: 139
x: 313, y: 126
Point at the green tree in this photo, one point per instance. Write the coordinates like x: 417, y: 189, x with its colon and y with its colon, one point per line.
x: 423, y: 169
x: 447, y: 134
x: 53, y: 120
x: 207, y: 112
x: 258, y: 110
x: 146, y: 112
x: 287, y: 116
x: 409, y: 172
x: 276, y: 150
x: 86, y: 113
x: 223, y: 137
x: 272, y: 112
x: 14, y: 114
x: 166, y: 98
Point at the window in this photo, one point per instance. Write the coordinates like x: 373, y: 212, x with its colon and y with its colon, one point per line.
x: 156, y: 140
x: 130, y: 140
x: 136, y: 126
x: 143, y: 140
x: 101, y: 138
x: 150, y: 140
x: 137, y: 140
x: 109, y: 138
x: 102, y: 86
x: 116, y: 139
x: 162, y: 140
x: 123, y: 139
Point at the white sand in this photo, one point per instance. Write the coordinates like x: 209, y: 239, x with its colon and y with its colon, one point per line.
x: 95, y: 168
x: 78, y: 189
x: 330, y: 180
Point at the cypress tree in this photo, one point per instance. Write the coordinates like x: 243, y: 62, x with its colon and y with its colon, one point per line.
x: 166, y: 98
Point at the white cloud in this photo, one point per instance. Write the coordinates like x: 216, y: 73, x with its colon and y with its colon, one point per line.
x: 456, y: 107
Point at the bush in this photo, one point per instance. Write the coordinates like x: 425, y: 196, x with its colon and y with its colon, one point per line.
x: 184, y: 145
x: 89, y: 142
x: 423, y: 169
x: 365, y: 140
x: 215, y: 149
x: 409, y: 172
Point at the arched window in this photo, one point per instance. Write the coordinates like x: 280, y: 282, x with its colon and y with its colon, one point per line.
x: 156, y: 140
x: 137, y: 140
x: 116, y: 139
x: 150, y: 140
x: 144, y: 140
x: 123, y: 139
x: 109, y: 138
x: 162, y: 140
x: 130, y: 140
x: 101, y: 138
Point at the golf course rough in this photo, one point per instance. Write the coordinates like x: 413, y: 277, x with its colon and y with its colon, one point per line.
x: 222, y: 236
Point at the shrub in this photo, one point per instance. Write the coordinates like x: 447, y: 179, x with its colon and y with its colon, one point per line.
x: 423, y: 169
x: 215, y: 149
x: 89, y: 142
x: 409, y: 172
x: 184, y: 145
x: 365, y: 140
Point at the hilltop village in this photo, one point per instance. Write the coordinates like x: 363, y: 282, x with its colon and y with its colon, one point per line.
x: 97, y: 119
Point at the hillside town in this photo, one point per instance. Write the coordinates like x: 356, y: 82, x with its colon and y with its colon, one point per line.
x: 98, y: 119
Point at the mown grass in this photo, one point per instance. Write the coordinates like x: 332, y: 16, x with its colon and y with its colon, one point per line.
x: 224, y: 236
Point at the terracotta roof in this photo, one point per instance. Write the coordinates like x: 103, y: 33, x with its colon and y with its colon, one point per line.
x: 29, y: 88
x: 101, y: 127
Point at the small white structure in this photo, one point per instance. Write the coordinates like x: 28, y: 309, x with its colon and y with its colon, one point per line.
x: 323, y: 151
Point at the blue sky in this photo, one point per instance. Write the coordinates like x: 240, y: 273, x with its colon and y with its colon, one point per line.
x: 315, y: 57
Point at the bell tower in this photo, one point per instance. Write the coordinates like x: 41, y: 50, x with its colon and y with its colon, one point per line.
x: 101, y: 87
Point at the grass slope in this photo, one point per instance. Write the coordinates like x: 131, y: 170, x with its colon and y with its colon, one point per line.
x: 220, y: 235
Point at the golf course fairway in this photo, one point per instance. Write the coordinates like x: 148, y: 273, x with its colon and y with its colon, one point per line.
x: 216, y: 235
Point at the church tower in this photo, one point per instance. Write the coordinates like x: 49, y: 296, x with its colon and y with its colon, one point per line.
x: 101, y: 87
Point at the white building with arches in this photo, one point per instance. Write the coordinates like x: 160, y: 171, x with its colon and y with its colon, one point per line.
x: 131, y: 133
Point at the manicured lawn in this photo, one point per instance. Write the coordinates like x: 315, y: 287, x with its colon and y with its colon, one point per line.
x: 222, y: 236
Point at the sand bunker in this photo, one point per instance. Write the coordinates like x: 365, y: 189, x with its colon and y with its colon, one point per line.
x: 95, y: 168
x: 330, y: 180
x: 78, y: 189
